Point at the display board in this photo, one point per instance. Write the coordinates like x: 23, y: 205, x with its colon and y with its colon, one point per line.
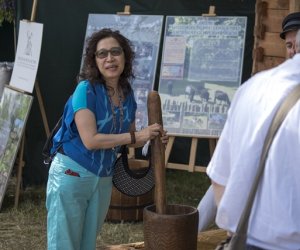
x: 200, y: 71
x: 14, y: 110
x: 144, y: 31
x: 27, y: 56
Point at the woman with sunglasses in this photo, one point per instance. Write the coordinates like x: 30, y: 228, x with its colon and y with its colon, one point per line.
x: 98, y: 118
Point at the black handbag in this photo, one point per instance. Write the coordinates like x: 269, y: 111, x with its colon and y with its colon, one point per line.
x: 238, y: 240
x: 132, y: 182
x: 46, y: 152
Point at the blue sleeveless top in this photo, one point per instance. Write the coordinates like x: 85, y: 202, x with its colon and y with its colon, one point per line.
x: 93, y: 97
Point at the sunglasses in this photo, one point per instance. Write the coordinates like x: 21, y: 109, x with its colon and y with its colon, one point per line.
x: 103, y: 53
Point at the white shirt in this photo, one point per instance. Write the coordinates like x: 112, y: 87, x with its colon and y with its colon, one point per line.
x: 275, y: 219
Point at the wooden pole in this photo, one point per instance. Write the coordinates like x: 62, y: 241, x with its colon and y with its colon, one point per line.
x: 36, y: 84
x: 211, y: 11
x: 42, y: 108
x: 19, y: 173
x: 157, y: 153
x: 126, y: 11
x: 212, y: 146
x: 33, y: 11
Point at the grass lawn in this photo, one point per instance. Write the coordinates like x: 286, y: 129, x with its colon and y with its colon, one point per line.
x: 25, y: 227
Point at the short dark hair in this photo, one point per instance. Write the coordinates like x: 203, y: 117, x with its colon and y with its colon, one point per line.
x: 90, y: 70
x: 290, y: 23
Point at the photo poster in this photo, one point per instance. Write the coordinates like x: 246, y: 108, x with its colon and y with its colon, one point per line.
x: 27, y: 56
x: 14, y: 110
x: 200, y: 71
x: 144, y: 31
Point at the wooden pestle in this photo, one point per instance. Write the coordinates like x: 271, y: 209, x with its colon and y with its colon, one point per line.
x: 157, y: 153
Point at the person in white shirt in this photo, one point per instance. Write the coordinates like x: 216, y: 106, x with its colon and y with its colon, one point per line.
x: 274, y: 223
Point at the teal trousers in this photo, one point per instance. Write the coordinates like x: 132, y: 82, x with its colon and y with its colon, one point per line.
x: 77, y: 203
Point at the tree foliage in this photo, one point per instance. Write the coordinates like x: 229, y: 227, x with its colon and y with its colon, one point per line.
x: 7, y: 11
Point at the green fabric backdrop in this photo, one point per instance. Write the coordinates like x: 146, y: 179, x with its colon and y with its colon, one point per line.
x: 63, y: 37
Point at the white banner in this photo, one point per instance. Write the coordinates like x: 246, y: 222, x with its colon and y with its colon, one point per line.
x: 27, y: 56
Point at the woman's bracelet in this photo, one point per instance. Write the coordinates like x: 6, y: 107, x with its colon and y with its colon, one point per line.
x: 132, y: 135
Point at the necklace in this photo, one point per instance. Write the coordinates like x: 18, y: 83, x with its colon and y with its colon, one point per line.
x: 114, y: 116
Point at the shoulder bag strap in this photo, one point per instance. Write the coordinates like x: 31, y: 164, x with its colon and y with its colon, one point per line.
x: 240, y: 237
